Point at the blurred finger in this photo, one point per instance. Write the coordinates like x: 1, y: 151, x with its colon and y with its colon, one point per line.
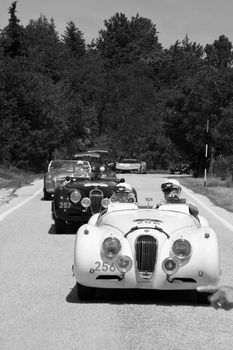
x: 207, y: 289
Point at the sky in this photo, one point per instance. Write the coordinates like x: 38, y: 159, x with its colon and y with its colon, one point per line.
x: 202, y: 20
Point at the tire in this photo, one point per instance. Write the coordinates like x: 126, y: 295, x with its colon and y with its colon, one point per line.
x: 47, y: 196
x: 85, y: 293
x: 60, y: 226
x: 202, y: 298
x: 135, y: 193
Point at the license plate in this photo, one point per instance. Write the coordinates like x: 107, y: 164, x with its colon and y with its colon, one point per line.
x: 149, y: 199
x: 64, y: 205
x: 103, y: 267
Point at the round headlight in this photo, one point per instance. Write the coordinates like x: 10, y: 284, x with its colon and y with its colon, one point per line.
x: 181, y: 249
x: 102, y: 168
x: 124, y: 263
x: 131, y: 200
x: 113, y: 199
x: 75, y: 196
x: 170, y: 266
x: 86, y: 202
x: 105, y: 202
x: 111, y: 246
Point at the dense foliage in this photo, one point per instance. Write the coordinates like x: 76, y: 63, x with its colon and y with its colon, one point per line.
x: 125, y: 91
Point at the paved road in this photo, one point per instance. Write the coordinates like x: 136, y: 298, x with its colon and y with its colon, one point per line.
x: 39, y: 308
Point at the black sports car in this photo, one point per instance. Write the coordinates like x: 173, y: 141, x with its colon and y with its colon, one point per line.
x: 99, y: 160
x: 180, y: 169
x: 79, y: 198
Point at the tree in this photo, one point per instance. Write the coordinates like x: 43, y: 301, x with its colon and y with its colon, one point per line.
x: 125, y: 41
x: 219, y: 54
x: 46, y: 54
x: 11, y: 38
x: 182, y: 61
x: 73, y: 39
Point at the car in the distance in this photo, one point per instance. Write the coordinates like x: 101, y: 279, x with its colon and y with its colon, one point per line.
x: 128, y: 165
x: 106, y: 153
x: 102, y: 158
x: 180, y: 169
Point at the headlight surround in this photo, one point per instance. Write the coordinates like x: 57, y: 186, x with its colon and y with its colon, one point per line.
x: 105, y: 202
x: 124, y: 263
x: 75, y: 196
x: 131, y: 199
x: 111, y: 247
x: 113, y: 199
x: 86, y: 202
x: 181, y: 249
x: 170, y: 266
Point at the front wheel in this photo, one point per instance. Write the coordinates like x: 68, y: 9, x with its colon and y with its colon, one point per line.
x: 60, y: 226
x: 202, y: 297
x: 85, y: 293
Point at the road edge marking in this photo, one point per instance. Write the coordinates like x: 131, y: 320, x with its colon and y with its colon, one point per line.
x: 17, y: 206
x: 212, y: 212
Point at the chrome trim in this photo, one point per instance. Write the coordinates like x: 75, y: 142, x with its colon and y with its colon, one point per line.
x: 146, y: 256
x: 96, y: 196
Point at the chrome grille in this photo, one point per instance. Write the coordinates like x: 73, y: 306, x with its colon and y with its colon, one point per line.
x: 96, y: 197
x: 146, y: 250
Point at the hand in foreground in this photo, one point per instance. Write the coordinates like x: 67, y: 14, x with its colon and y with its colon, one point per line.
x: 221, y: 298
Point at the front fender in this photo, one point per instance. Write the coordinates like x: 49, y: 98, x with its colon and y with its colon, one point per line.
x: 87, y: 247
x: 93, y: 219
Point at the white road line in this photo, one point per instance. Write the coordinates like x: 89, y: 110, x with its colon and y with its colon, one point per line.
x: 212, y: 212
x: 9, y: 211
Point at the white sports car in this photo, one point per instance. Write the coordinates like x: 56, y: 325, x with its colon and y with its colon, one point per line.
x: 160, y: 249
x: 131, y: 165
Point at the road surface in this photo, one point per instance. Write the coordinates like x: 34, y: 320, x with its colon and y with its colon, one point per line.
x: 40, y: 310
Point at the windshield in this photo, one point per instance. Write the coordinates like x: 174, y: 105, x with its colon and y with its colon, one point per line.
x: 91, y: 158
x: 170, y: 221
x: 69, y: 165
x: 130, y: 161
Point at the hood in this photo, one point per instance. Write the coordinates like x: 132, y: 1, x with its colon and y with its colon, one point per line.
x: 169, y: 221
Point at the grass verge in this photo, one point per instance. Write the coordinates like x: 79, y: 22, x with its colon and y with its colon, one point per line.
x: 220, y: 192
x: 15, y: 178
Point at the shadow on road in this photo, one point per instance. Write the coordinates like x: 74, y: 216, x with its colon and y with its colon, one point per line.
x: 71, y: 229
x: 135, y: 296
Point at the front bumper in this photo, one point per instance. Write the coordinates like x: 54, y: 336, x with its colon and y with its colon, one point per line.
x: 77, y: 214
x: 130, y: 280
x: 128, y: 170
